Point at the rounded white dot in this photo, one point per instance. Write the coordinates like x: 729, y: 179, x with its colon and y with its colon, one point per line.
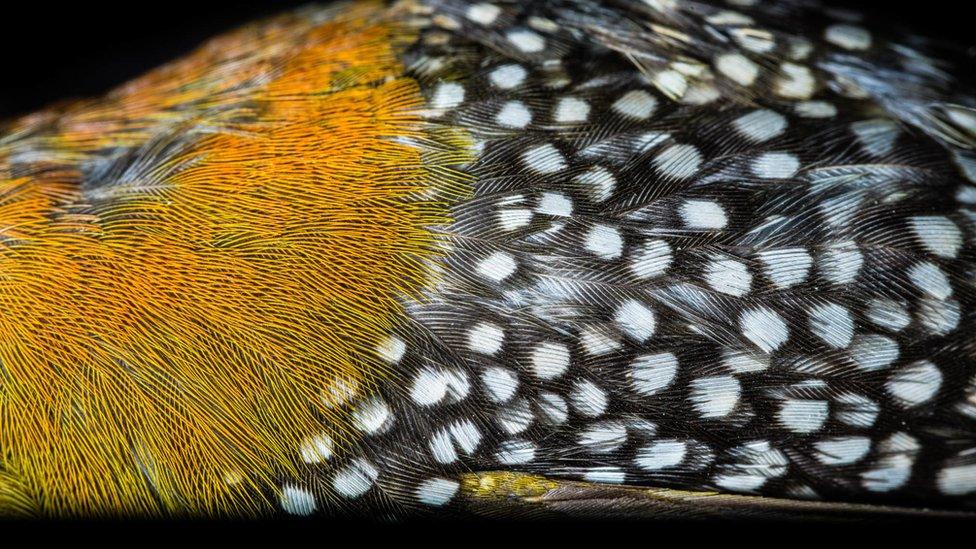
x: 486, y: 338
x: 635, y: 319
x: 514, y: 114
x: 849, y: 37
x: 507, y: 77
x: 588, y: 399
x: 527, y: 41
x: 661, y: 454
x: 448, y: 95
x: 483, y: 13
x: 550, y: 360
x: 651, y: 373
x: 679, y: 161
x: 571, y: 110
x: 703, y: 214
x: 604, y: 241
x: 437, y: 491
x: 729, y: 277
x: 637, y: 104
x: 775, y: 165
x: 501, y: 383
x: 764, y: 328
x: 761, y: 125
x: 738, y: 68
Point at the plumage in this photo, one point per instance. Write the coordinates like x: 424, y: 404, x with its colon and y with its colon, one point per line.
x: 420, y: 258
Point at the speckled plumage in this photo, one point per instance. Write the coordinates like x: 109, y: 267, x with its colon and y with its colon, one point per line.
x: 707, y: 246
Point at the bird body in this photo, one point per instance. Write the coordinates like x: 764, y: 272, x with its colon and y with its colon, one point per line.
x: 438, y: 255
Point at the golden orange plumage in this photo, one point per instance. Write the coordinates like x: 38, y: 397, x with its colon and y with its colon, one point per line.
x: 191, y: 320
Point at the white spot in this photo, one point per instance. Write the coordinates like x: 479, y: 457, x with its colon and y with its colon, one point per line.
x: 636, y: 104
x: 571, y: 109
x: 939, y: 235
x: 796, y: 82
x: 501, y: 383
x: 678, y: 161
x: 738, y: 68
x: 671, y: 83
x: 815, y: 109
x: 842, y: 450
x: 915, y: 383
x: 588, y: 399
x: 653, y: 372
x: 605, y: 475
x: 888, y: 314
x: 728, y: 276
x: 483, y: 14
x: 458, y: 385
x: 553, y: 407
x: 803, y: 416
x: 316, y: 449
x: 758, y: 463
x: 544, y: 159
x: 703, y: 214
x: 786, y: 267
x: 371, y: 416
x: 527, y: 41
x: 514, y: 114
x: 742, y: 363
x: 497, y: 267
x: 740, y: 482
x: 486, y: 338
x: 514, y: 452
x: 966, y: 194
x: 555, y: 204
x: 463, y: 434
x: 437, y: 491
x: 661, y: 454
x: 966, y: 163
x: 840, y: 263
x: 873, y: 352
x: 754, y: 40
x: 856, y: 410
x: 775, y: 165
x: 732, y: 18
x: 636, y: 320
x: 651, y: 259
x: 849, y: 37
x: 833, y: 324
x: 877, y: 136
x: 931, y: 280
x: 940, y: 317
x: 550, y: 360
x: 715, y: 396
x: 507, y: 77
x: 598, y: 182
x: 760, y: 125
x: 604, y: 437
x: 355, y: 479
x: 429, y: 387
x: 957, y: 480
x: 512, y: 219
x: 765, y: 328
x: 448, y: 95
x: 392, y: 349
x: 297, y: 501
x: 891, y: 473
x: 605, y: 241
x: 515, y: 418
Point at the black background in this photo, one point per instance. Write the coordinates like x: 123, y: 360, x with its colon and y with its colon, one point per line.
x: 51, y: 52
